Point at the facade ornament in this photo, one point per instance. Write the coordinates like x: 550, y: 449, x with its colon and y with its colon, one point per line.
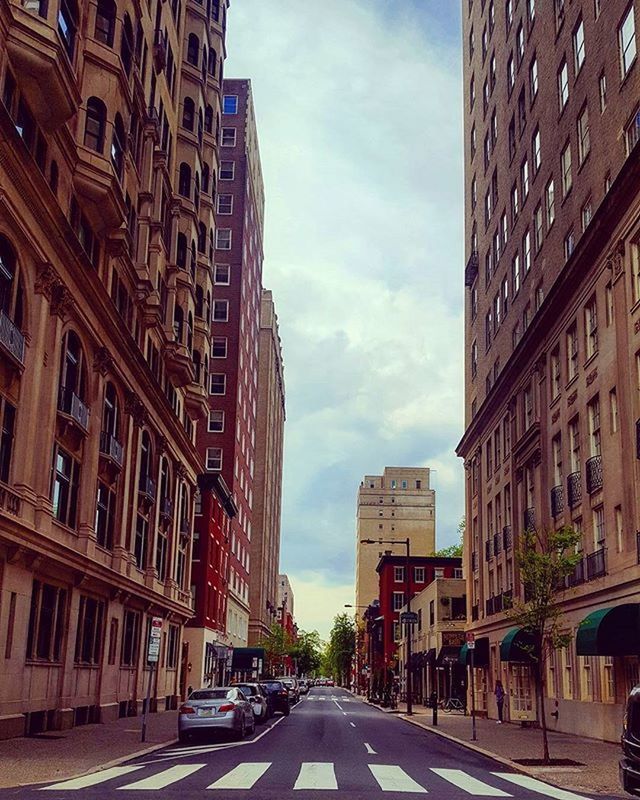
x: 47, y: 280
x: 572, y: 398
x: 162, y: 444
x: 556, y: 415
x: 181, y: 470
x: 592, y: 376
x: 615, y: 259
x: 103, y: 361
x: 136, y: 409
x: 61, y: 301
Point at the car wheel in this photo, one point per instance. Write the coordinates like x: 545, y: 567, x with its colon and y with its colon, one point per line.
x: 286, y: 711
x: 243, y: 730
x: 183, y: 737
x: 252, y: 729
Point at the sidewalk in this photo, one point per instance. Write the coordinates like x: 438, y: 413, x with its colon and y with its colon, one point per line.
x: 58, y: 755
x: 599, y: 775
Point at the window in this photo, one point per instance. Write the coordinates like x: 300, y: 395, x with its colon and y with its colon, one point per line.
x: 172, y: 646
x: 214, y: 459
x: 632, y: 132
x: 184, y: 180
x: 574, y: 444
x: 555, y: 373
x: 188, y: 114
x: 419, y: 574
x: 527, y: 405
x: 438, y: 572
x: 565, y: 164
x: 222, y: 275
x: 505, y: 296
x: 220, y: 310
x: 45, y: 636
x: 598, y: 527
x: 536, y: 150
x: 89, y: 632
x: 556, y: 450
x: 569, y: 244
x: 591, y: 327
x: 398, y: 574
x: 593, y: 409
x: 515, y: 207
x: 602, y: 88
x: 130, y: 639
x: 608, y: 296
x: 105, y: 515
x: 398, y: 600
x: 217, y: 383
x: 526, y: 252
x: 533, y: 78
x: 585, y: 214
x: 563, y: 84
x: 524, y: 180
x: 578, y: 46
x: 65, y: 487
x: 95, y: 122
x: 223, y: 239
x: 225, y: 204
x: 572, y: 351
x: 105, y: 22
x: 511, y: 73
x: 551, y: 203
x: 230, y: 104
x: 219, y: 347
x: 228, y: 137
x: 474, y: 358
x: 520, y: 43
x: 216, y: 421
x: 627, y: 40
x: 515, y: 274
x: 537, y: 227
x: 227, y: 170
x: 584, y: 142
x: 613, y: 411
x: 68, y: 25
x: 7, y: 425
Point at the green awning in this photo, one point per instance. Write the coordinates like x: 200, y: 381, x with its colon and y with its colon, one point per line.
x: 480, y: 656
x: 516, y: 645
x: 613, y: 631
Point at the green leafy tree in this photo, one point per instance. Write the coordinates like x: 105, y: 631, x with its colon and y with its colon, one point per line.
x: 307, y: 652
x: 341, y: 648
x: 277, y: 644
x: 454, y: 550
x: 545, y: 560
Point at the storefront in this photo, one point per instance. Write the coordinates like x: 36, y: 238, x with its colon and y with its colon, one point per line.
x: 480, y: 658
x: 516, y: 648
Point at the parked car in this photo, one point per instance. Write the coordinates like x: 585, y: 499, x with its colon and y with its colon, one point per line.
x: 292, y: 685
x: 330, y: 682
x: 218, y: 709
x: 257, y: 696
x: 303, y: 686
x: 278, y: 694
x: 630, y: 763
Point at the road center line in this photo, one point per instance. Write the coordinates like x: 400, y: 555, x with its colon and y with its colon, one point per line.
x: 352, y: 724
x: 370, y: 749
x: 338, y: 704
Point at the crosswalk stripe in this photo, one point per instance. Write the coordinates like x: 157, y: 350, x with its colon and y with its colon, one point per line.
x: 534, y: 785
x: 244, y: 776
x: 468, y: 783
x: 395, y: 779
x: 90, y: 780
x: 316, y: 775
x: 165, y: 778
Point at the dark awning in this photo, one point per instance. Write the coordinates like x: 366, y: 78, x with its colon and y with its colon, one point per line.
x: 516, y: 645
x: 448, y: 655
x: 480, y: 656
x: 613, y: 631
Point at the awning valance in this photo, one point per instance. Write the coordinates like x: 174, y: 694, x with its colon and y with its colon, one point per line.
x: 480, y: 656
x: 448, y: 655
x: 516, y: 645
x: 613, y: 631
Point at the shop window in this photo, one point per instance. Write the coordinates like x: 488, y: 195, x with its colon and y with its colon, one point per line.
x: 130, y: 639
x: 88, y: 648
x: 45, y: 635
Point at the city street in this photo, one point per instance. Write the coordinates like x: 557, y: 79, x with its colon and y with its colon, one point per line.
x: 332, y: 742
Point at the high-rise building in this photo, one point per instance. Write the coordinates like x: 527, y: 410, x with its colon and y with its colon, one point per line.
x: 107, y: 162
x: 396, y: 505
x: 265, y: 541
x: 228, y: 442
x: 551, y: 333
x: 286, y: 603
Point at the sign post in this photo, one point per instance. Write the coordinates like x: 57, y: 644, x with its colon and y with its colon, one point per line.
x: 153, y: 654
x: 471, y: 647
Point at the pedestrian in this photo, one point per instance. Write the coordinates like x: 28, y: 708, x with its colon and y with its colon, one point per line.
x: 499, y: 693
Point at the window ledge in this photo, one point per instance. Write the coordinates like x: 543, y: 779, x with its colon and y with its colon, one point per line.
x: 590, y: 360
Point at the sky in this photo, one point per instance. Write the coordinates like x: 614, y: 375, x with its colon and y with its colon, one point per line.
x: 358, y: 104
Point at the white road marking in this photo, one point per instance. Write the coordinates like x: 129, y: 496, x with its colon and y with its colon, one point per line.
x: 90, y: 780
x: 370, y: 749
x: 352, y: 724
x: 165, y: 778
x: 338, y: 704
x: 244, y: 776
x: 468, y: 783
x: 316, y: 775
x: 538, y: 786
x: 395, y: 779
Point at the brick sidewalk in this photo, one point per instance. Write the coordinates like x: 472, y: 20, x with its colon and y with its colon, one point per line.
x: 599, y: 774
x: 64, y: 754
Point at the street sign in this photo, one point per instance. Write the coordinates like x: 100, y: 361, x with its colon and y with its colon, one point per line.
x: 155, y: 634
x: 470, y: 636
x: 409, y: 618
x: 471, y: 645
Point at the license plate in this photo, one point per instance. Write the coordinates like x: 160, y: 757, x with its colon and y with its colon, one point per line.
x: 206, y: 712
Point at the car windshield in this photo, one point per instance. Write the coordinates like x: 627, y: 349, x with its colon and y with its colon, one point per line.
x: 273, y: 685
x: 247, y: 689
x: 211, y: 694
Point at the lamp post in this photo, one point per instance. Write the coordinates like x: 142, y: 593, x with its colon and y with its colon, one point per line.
x: 407, y: 543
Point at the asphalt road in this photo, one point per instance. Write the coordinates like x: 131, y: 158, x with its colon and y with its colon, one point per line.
x: 331, y: 746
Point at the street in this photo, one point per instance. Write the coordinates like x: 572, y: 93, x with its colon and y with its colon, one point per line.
x: 332, y: 742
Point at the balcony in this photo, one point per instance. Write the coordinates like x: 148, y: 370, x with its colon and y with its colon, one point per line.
x: 497, y: 544
x: 471, y: 270
x: 179, y: 363
x: 488, y: 554
x: 11, y: 339
x: 507, y: 538
x: 596, y: 564
x: 111, y: 448
x: 96, y: 181
x: 72, y: 407
x: 42, y: 68
x: 577, y: 576
x: 147, y: 489
x: 197, y: 398
x: 530, y: 519
x: 557, y: 501
x: 574, y: 489
x: 10, y: 502
x: 594, y: 474
x: 490, y: 606
x: 474, y: 613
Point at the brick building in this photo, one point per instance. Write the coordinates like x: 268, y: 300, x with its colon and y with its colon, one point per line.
x: 552, y: 334
x: 108, y: 158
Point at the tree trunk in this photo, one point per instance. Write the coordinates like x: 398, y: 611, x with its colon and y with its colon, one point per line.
x: 543, y: 714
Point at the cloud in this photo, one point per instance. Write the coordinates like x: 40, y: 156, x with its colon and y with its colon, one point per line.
x: 317, y: 601
x: 359, y: 111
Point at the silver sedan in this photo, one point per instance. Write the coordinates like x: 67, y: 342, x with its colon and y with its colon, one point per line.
x: 218, y: 709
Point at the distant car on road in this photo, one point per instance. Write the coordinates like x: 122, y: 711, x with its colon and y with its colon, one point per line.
x: 278, y: 694
x: 218, y: 709
x: 330, y: 682
x: 257, y: 696
x: 292, y: 685
x: 303, y: 685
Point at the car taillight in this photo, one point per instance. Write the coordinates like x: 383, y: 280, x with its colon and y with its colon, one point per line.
x: 187, y: 710
x: 284, y: 693
x: 226, y: 707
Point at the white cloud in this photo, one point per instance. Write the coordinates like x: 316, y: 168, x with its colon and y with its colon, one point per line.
x: 317, y: 601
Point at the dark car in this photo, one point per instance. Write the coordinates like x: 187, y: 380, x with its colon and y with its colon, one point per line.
x: 278, y: 696
x: 630, y: 763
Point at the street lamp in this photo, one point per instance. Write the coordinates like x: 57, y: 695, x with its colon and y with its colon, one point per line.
x: 407, y: 543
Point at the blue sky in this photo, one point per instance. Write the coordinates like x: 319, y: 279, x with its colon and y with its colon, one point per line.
x: 359, y: 112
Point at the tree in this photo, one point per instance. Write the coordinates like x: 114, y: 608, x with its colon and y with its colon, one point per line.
x: 277, y: 644
x: 307, y: 652
x: 454, y: 550
x: 341, y: 648
x: 545, y: 559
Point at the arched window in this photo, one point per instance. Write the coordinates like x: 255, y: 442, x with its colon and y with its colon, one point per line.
x: 199, y: 301
x: 196, y: 191
x: 205, y: 179
x: 118, y: 141
x: 207, y: 308
x: 200, y: 126
x: 72, y: 367
x: 165, y: 483
x: 208, y: 119
x: 105, y: 21
x: 184, y: 180
x: 204, y: 62
x: 10, y: 284
x: 212, y: 63
x: 188, y: 113
x: 181, y: 256
x: 178, y: 323
x: 197, y: 363
x: 68, y: 25
x: 126, y: 44
x: 192, y: 266
x: 193, y: 49
x: 110, y: 412
x: 202, y: 237
x: 211, y: 247
x: 190, y: 332
x: 94, y: 125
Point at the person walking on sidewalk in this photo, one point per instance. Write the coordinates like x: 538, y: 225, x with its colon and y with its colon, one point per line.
x: 499, y: 693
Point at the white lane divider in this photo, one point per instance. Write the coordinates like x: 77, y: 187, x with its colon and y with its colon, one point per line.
x: 165, y: 778
x: 244, y: 776
x: 353, y: 725
x: 90, y: 780
x: 370, y: 749
x: 339, y: 706
x: 468, y: 783
x: 316, y: 775
x: 534, y: 785
x: 395, y: 779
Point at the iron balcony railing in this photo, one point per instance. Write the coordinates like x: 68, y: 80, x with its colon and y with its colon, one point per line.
x: 577, y: 576
x: 110, y: 446
x: 487, y: 550
x: 596, y: 564
x: 574, y: 489
x: 497, y: 604
x: 507, y: 538
x: 69, y: 403
x: 530, y: 519
x: 497, y: 544
x: 557, y: 500
x: 507, y: 598
x: 11, y: 338
x: 489, y: 606
x: 9, y: 500
x: 594, y: 474
x: 147, y: 486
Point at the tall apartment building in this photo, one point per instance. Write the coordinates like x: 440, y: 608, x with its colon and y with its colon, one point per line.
x: 552, y: 334
x: 398, y: 504
x: 107, y: 160
x: 229, y: 440
x: 265, y: 542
